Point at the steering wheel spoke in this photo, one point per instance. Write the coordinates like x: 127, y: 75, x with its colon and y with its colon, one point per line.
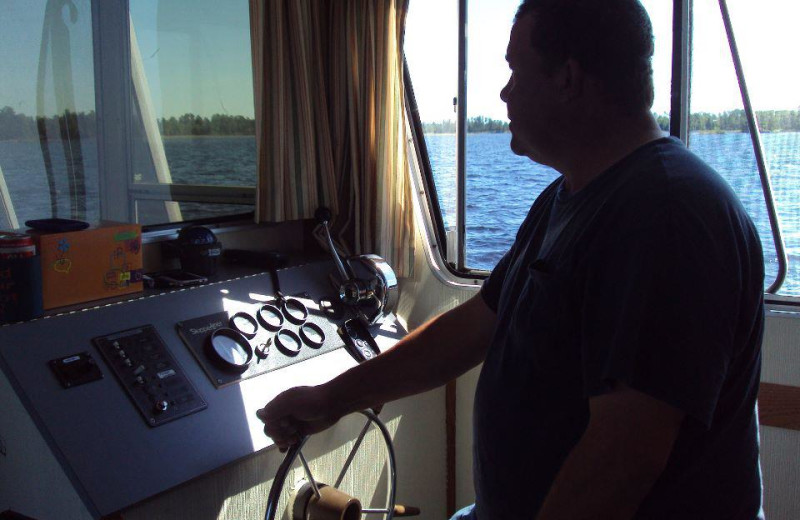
x: 352, y: 455
x: 310, y: 477
x: 295, y: 452
x: 375, y: 512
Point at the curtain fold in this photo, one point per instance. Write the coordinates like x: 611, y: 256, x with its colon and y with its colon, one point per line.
x: 330, y: 109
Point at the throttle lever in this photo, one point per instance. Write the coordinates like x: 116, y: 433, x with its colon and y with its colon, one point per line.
x: 323, y: 216
x: 351, y: 289
x: 276, y: 285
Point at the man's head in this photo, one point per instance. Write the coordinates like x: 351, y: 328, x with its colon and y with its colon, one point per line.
x: 577, y: 67
x: 611, y: 40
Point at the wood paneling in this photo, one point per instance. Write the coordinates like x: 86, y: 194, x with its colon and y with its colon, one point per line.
x: 779, y: 406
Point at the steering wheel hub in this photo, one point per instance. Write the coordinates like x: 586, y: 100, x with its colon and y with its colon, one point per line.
x: 331, y: 504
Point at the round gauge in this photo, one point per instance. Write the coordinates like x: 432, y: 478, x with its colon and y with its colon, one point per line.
x: 244, y: 323
x: 312, y: 334
x: 288, y: 342
x: 295, y: 311
x: 270, y: 317
x: 230, y: 350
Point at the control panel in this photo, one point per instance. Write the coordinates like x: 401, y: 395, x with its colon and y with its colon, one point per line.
x: 149, y: 374
x: 139, y: 397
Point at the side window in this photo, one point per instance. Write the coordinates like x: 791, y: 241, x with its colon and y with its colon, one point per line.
x: 431, y: 51
x: 718, y: 125
x: 48, y: 140
x: 184, y: 143
x: 500, y: 186
x: 193, y: 106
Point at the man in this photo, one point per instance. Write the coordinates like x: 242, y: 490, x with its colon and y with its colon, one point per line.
x: 620, y: 335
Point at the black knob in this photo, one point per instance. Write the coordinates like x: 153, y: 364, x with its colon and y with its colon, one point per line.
x: 162, y: 406
x: 323, y: 214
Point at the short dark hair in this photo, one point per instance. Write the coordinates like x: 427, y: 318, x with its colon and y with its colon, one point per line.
x: 611, y: 39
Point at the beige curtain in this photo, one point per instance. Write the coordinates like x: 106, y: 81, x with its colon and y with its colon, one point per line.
x: 328, y: 76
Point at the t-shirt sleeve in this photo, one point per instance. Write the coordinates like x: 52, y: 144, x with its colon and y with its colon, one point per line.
x: 658, y: 316
x: 490, y: 291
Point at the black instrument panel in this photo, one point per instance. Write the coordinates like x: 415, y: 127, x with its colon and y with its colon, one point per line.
x: 290, y: 341
x: 152, y: 378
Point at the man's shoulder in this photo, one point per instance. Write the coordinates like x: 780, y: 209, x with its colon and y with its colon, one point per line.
x: 672, y: 179
x: 665, y: 194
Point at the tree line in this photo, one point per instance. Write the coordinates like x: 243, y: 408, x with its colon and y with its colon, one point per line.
x: 218, y: 124
x: 730, y: 121
x: 479, y: 124
x: 17, y: 126
x: 21, y: 127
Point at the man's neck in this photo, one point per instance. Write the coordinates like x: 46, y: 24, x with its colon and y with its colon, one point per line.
x: 594, y: 151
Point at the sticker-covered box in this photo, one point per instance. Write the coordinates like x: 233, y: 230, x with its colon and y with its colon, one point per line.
x: 102, y: 261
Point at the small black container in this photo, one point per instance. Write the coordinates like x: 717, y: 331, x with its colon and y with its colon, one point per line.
x: 20, y: 289
x: 199, y: 250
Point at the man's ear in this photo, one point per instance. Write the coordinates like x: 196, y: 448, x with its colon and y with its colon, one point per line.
x: 570, y: 79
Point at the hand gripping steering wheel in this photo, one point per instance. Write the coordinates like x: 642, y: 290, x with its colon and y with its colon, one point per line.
x: 318, y: 501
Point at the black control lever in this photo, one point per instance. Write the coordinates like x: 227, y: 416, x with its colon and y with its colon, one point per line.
x: 276, y: 285
x: 323, y: 216
x: 352, y: 290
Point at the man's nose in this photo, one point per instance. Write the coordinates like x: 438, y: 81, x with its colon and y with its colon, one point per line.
x: 505, y: 90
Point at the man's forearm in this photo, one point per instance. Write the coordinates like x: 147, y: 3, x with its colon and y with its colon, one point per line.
x: 435, y: 353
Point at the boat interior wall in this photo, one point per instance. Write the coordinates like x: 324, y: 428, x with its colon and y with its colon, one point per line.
x: 780, y: 447
x: 423, y: 296
x: 26, y: 458
x: 465, y: 396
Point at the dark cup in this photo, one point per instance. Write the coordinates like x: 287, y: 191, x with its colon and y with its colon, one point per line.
x: 20, y: 289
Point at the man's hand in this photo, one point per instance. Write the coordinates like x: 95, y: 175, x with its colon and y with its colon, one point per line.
x: 296, y: 413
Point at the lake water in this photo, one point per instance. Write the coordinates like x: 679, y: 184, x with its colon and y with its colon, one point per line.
x: 500, y: 185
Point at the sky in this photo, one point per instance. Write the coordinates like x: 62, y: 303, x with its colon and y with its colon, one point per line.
x: 765, y: 32
x: 196, y: 55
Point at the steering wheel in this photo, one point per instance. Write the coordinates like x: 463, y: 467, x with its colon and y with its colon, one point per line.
x: 320, y: 501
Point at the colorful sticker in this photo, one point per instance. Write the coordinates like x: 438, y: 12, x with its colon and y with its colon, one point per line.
x: 62, y: 263
x: 123, y: 236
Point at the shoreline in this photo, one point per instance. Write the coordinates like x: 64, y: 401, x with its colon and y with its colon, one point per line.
x: 236, y: 136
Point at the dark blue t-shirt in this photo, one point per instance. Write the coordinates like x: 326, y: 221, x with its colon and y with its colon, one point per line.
x: 652, y: 275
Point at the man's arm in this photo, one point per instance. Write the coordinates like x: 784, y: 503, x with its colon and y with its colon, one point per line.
x: 435, y: 353
x: 615, y: 464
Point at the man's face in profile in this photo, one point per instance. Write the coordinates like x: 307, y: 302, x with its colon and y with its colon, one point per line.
x: 530, y: 94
